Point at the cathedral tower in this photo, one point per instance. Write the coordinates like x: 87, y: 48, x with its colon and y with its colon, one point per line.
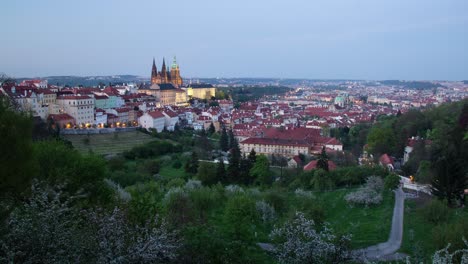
x: 175, y: 74
x: 154, y: 73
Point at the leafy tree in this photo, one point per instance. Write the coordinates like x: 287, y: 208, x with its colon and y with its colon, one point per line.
x: 261, y: 171
x: 192, y: 165
x: 48, y: 229
x: 381, y: 140
x: 392, y: 181
x: 322, y: 162
x: 240, y: 218
x: 449, y: 157
x: 322, y: 180
x: 207, y: 173
x: 16, y: 164
x: 299, y: 241
x: 224, y: 141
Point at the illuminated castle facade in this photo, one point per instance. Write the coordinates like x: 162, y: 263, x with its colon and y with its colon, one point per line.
x: 166, y: 75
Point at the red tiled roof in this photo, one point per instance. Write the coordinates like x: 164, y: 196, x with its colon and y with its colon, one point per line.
x: 156, y: 114
x: 313, y: 165
x: 275, y: 141
x: 385, y: 159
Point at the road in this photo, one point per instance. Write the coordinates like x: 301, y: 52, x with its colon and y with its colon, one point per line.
x: 386, y: 250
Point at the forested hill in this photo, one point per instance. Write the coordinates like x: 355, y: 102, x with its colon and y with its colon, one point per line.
x: 416, y: 85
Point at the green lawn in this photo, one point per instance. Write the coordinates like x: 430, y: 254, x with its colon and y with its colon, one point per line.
x: 368, y: 226
x: 105, y: 144
x: 418, y: 237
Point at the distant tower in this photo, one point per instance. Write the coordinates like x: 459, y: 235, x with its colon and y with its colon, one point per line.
x: 164, y: 78
x: 154, y: 73
x: 175, y: 74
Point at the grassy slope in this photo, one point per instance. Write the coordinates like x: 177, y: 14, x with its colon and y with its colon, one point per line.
x: 417, y: 231
x: 109, y: 143
x: 369, y: 226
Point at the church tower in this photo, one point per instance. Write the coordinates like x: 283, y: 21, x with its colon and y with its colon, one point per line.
x: 175, y: 74
x: 154, y: 73
x: 164, y: 78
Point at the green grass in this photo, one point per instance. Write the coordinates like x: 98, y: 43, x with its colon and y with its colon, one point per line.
x: 418, y: 238
x: 168, y: 172
x: 368, y: 226
x: 105, y: 144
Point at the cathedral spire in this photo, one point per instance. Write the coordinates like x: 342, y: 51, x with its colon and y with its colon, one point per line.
x: 154, y: 72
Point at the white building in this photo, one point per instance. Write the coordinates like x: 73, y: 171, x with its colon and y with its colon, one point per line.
x: 80, y: 107
x: 153, y: 119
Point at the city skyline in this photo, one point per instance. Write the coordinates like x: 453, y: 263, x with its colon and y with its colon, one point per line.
x: 421, y: 40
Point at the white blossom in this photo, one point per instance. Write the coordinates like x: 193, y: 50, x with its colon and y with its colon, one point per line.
x: 266, y: 211
x: 300, y: 242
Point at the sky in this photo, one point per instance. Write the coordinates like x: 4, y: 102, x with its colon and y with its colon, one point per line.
x: 314, y: 39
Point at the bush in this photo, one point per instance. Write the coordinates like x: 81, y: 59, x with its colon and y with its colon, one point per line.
x: 392, y: 181
x: 276, y: 199
x: 151, y: 166
x: 177, y: 164
x: 369, y: 194
x: 116, y: 163
x: 176, y: 182
x: 436, y: 212
x: 267, y: 212
x: 321, y: 180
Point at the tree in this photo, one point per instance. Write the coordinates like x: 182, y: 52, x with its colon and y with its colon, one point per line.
x: 232, y: 140
x: 381, y: 140
x: 220, y: 170
x: 392, y: 181
x: 211, y: 129
x: 322, y: 162
x: 240, y: 218
x: 234, y: 164
x: 47, y: 228
x: 207, y: 173
x: 192, y: 165
x: 224, y: 141
x: 321, y: 180
x: 244, y: 168
x: 252, y: 156
x: 16, y: 164
x: 299, y: 241
x: 449, y: 155
x: 261, y: 171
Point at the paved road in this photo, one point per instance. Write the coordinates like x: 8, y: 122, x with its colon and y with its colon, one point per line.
x: 386, y: 250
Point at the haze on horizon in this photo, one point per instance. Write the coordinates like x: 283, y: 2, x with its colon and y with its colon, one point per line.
x: 323, y: 39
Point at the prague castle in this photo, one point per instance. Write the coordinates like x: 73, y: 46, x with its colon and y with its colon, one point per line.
x: 166, y: 75
x: 166, y: 85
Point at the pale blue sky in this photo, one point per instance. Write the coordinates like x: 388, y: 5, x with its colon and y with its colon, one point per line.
x: 354, y: 39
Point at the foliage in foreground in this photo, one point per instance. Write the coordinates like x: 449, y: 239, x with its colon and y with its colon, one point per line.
x: 49, y: 229
x: 300, y: 241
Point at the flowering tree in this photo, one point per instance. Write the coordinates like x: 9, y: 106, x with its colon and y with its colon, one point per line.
x: 369, y: 194
x: 300, y: 242
x: 49, y: 229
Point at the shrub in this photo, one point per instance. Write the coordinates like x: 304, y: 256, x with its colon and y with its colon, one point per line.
x: 193, y: 184
x: 151, y: 166
x: 176, y: 182
x: 392, y: 181
x: 301, y: 242
x: 276, y: 199
x: 234, y: 189
x: 267, y: 212
x: 369, y: 194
